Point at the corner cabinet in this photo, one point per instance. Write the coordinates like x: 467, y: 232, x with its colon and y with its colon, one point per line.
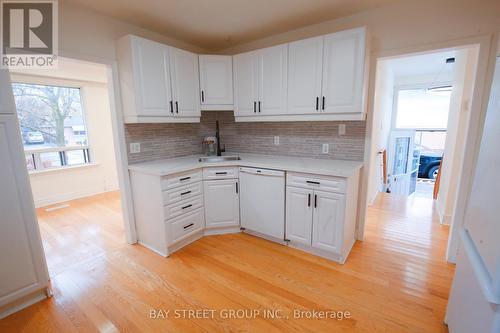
x: 216, y: 82
x: 260, y: 83
x: 159, y: 83
x: 325, y: 78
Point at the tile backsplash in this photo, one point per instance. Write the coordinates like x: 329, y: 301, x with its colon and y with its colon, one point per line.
x: 303, y: 139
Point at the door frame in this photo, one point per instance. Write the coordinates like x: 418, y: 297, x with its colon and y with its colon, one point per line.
x: 488, y: 44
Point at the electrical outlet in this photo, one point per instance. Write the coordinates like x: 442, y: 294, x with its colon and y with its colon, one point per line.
x: 325, y: 148
x: 276, y: 140
x: 135, y: 147
x: 341, y: 129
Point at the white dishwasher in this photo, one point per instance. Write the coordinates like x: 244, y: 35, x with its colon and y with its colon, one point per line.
x: 262, y: 202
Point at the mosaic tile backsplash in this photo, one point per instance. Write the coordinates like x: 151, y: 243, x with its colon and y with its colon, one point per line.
x: 302, y: 139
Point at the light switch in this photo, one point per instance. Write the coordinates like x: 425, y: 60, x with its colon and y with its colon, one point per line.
x: 135, y: 147
x: 276, y: 140
x: 325, y: 148
x: 341, y: 129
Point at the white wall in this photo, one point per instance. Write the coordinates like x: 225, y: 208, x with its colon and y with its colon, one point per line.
x: 54, y: 186
x: 458, y: 120
x: 382, y: 112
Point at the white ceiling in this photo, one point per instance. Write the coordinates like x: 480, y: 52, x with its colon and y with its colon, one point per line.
x: 218, y: 24
x: 430, y: 64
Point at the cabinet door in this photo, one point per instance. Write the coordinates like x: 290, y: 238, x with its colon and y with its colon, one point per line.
x: 152, y: 72
x: 343, y: 71
x: 21, y: 255
x: 272, y: 65
x: 305, y: 71
x: 245, y: 84
x: 216, y: 79
x: 328, y: 216
x: 298, y: 215
x: 222, y: 204
x: 185, y: 83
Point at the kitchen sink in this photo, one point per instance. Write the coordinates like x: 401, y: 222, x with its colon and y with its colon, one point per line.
x: 214, y: 159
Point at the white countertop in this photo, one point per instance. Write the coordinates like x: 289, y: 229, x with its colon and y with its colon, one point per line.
x: 339, y: 168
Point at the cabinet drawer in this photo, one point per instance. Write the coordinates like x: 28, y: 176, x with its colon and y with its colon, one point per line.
x: 182, y: 207
x: 183, y: 192
x: 220, y: 173
x: 325, y: 183
x: 179, y: 179
x: 185, y: 225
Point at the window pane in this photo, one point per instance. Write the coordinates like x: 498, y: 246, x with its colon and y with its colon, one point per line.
x: 50, y: 116
x: 50, y: 160
x: 423, y: 109
x: 75, y: 157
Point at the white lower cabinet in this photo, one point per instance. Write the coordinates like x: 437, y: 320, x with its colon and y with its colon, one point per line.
x: 222, y: 204
x: 328, y: 216
x: 316, y: 220
x: 299, y: 215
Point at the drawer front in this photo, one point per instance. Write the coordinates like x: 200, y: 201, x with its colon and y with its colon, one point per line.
x: 220, y: 173
x: 181, y: 193
x: 179, y: 179
x: 185, y: 225
x: 182, y: 207
x: 324, y: 183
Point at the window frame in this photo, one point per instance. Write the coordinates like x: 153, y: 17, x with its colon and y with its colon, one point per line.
x: 87, y: 149
x: 398, y: 88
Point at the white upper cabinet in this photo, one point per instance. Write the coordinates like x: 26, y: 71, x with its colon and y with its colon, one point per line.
x: 260, y: 81
x: 158, y: 83
x: 272, y: 80
x: 246, y: 83
x: 343, y: 71
x: 305, y: 71
x: 324, y: 80
x: 216, y: 82
x: 184, y: 78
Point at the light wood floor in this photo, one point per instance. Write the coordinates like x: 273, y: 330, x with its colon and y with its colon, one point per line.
x: 395, y: 281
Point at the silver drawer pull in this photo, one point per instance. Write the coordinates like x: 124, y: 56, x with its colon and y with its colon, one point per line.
x: 184, y: 193
x: 185, y: 178
x: 188, y: 226
x: 311, y: 182
x: 190, y: 205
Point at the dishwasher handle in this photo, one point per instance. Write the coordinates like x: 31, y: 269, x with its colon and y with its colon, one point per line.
x: 263, y: 172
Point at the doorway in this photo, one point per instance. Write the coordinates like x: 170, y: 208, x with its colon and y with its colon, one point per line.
x: 420, y: 122
x: 65, y: 121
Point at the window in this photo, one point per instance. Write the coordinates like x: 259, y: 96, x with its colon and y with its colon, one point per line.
x: 423, y: 108
x: 52, y: 126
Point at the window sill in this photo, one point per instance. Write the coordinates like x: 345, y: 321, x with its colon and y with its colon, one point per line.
x: 63, y: 169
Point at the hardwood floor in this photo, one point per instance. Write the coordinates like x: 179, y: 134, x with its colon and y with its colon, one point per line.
x: 394, y: 281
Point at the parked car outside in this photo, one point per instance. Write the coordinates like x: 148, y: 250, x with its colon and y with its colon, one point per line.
x: 34, y: 137
x: 429, y: 165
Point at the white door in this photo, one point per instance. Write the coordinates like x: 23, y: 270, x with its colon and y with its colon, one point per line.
x: 328, y: 216
x: 216, y: 79
x: 272, y: 80
x: 185, y: 83
x: 343, y: 72
x: 152, y: 69
x: 401, y: 150
x: 23, y: 269
x: 299, y: 211
x: 222, y: 204
x: 245, y: 84
x: 305, y: 70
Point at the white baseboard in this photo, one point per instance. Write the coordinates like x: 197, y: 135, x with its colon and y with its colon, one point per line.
x: 23, y: 303
x: 81, y: 193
